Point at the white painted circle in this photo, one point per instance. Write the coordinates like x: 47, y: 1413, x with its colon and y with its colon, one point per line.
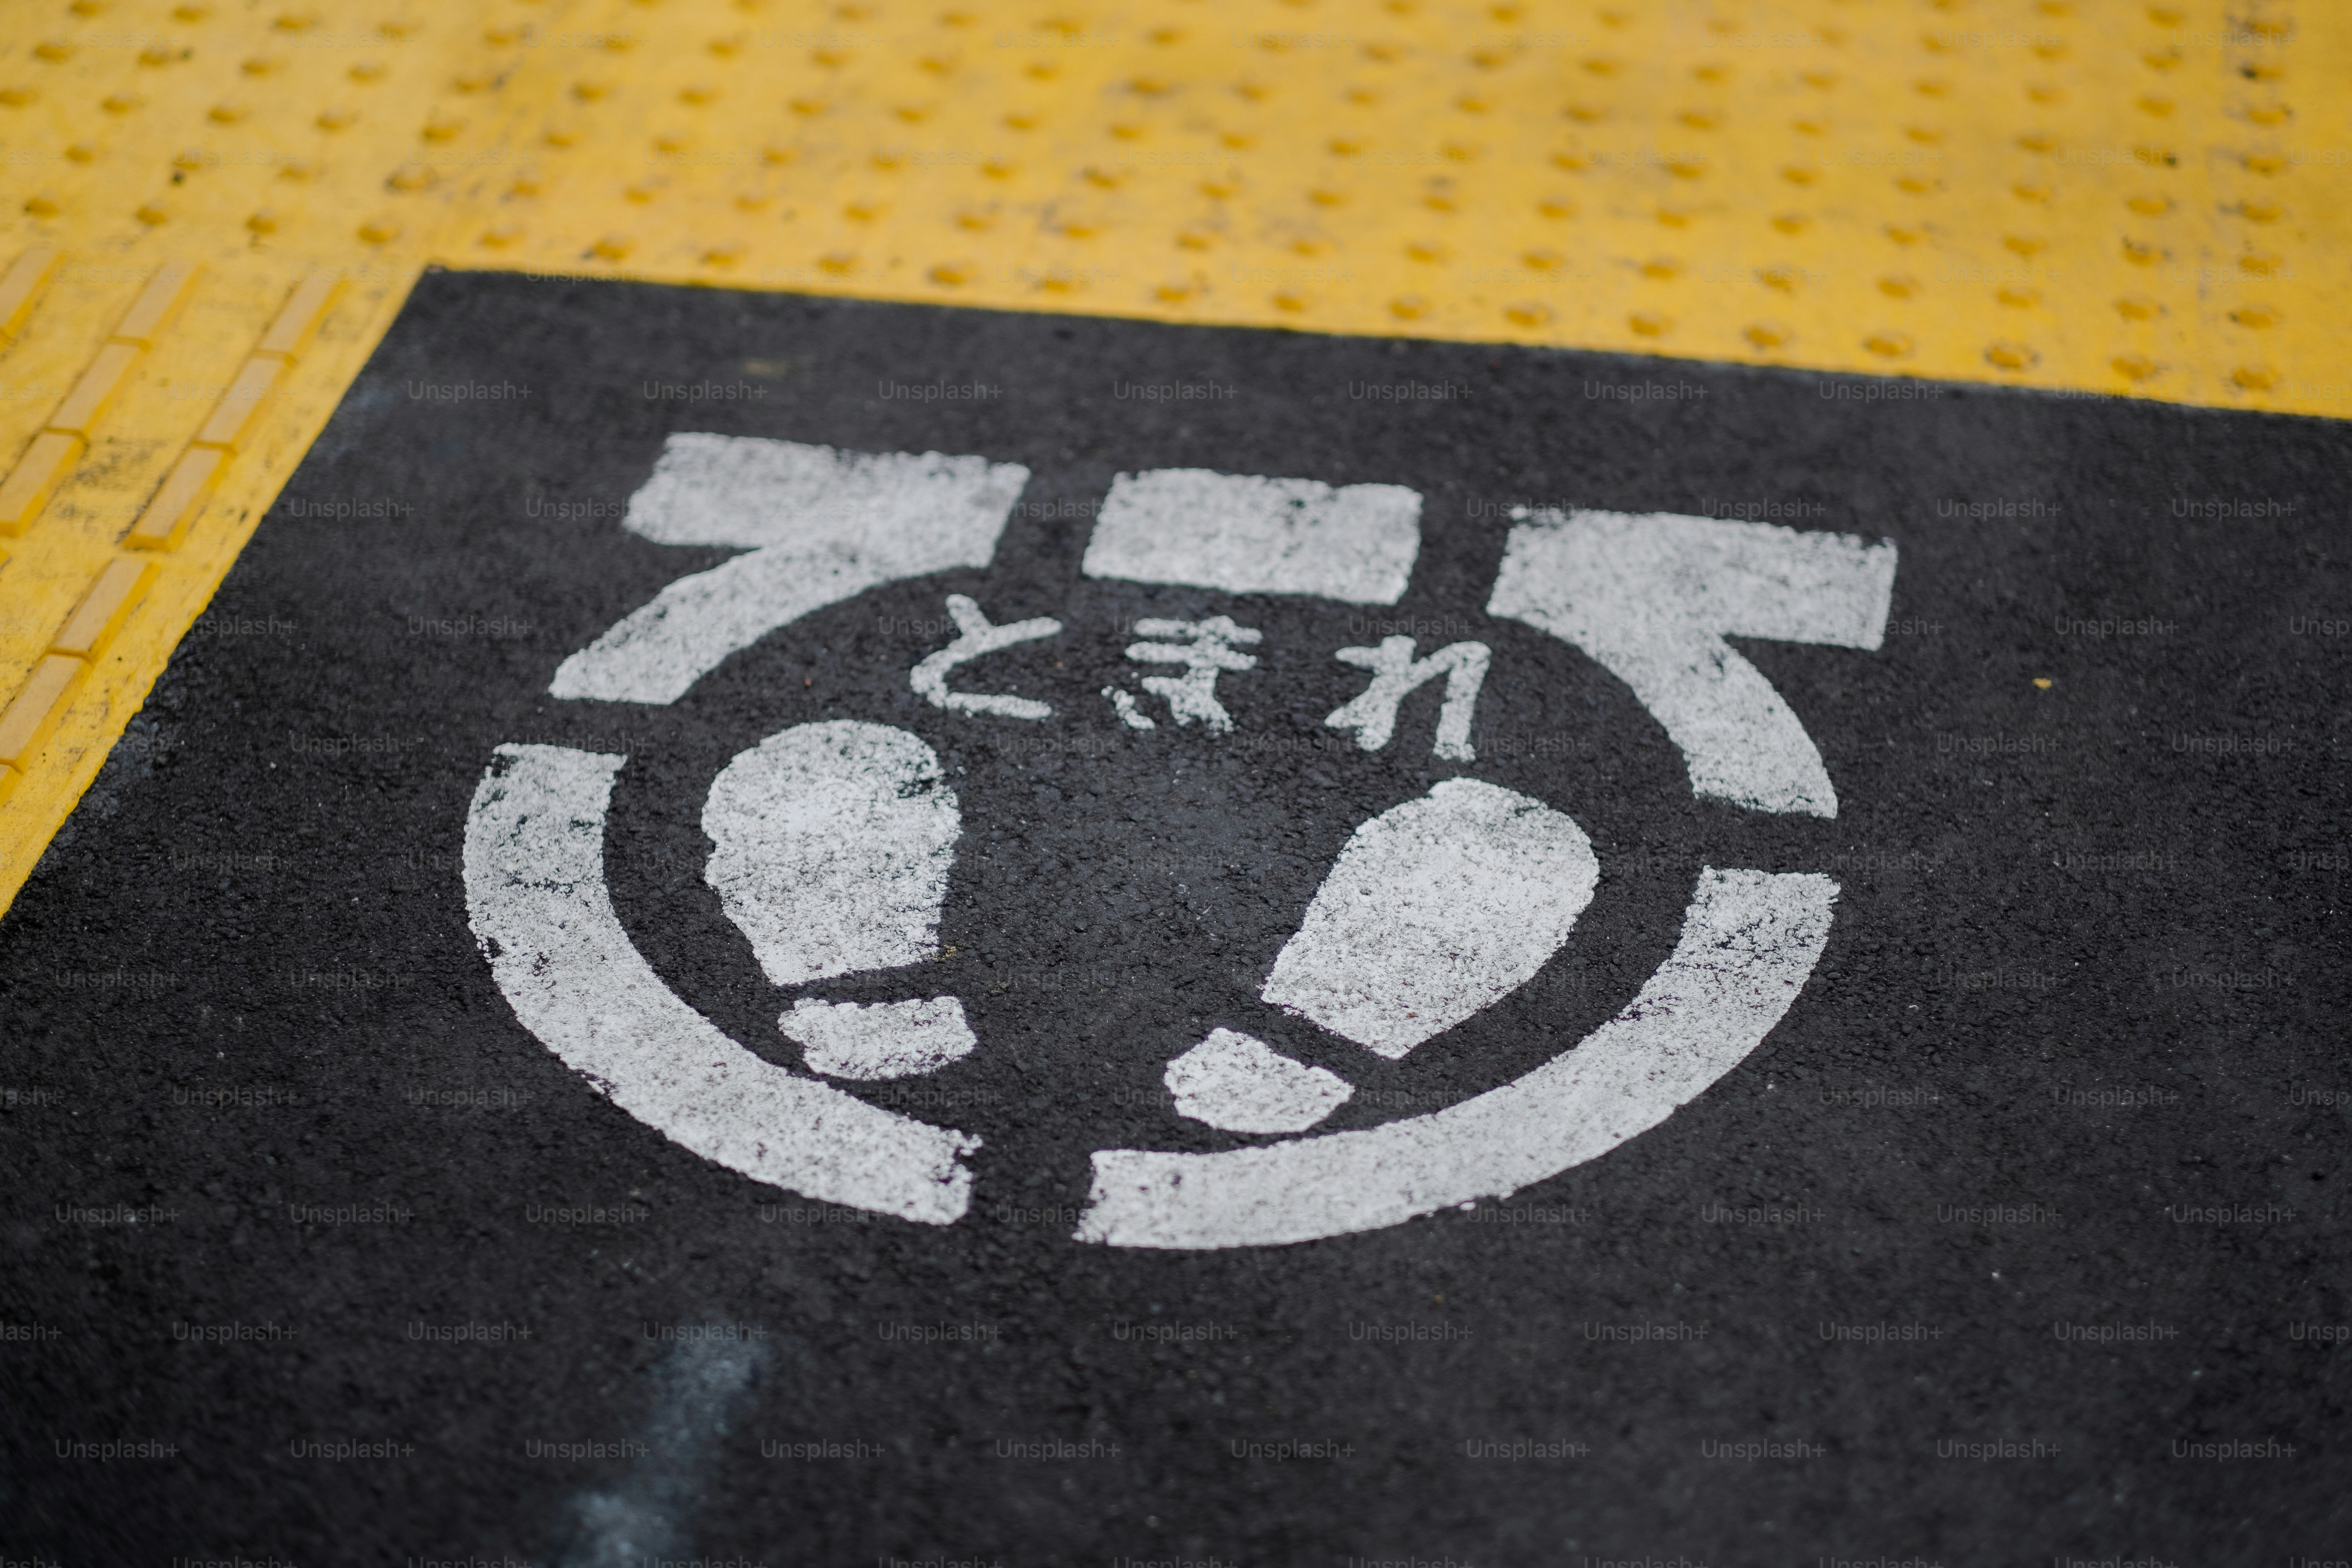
x: 835, y: 841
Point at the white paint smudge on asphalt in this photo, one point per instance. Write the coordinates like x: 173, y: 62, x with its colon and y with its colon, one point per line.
x: 648, y: 1516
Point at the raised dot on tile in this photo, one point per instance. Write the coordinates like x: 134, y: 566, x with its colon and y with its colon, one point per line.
x: 1890, y: 345
x: 1528, y: 314
x: 379, y: 230
x: 2134, y: 367
x: 1766, y: 334
x: 2010, y: 355
x: 1650, y: 323
x: 2254, y: 377
x: 2139, y: 307
x: 1900, y: 285
x: 1408, y: 307
x: 2255, y: 316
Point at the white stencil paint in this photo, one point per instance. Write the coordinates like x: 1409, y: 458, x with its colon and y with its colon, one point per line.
x: 1130, y: 715
x: 1206, y: 649
x: 1435, y: 910
x: 536, y: 898
x: 1650, y: 598
x: 1241, y: 1085
x: 1252, y: 535
x: 977, y: 636
x: 1396, y: 675
x: 887, y: 1039
x: 835, y: 841
x: 1748, y: 942
x: 821, y: 526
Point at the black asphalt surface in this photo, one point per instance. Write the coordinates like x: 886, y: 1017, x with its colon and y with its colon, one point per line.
x: 2036, y: 1246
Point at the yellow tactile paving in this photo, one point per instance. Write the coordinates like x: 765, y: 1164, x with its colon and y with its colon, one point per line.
x: 112, y: 595
x: 21, y: 286
x: 2144, y: 199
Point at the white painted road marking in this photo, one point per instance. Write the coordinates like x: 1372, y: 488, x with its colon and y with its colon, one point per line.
x: 1434, y: 910
x: 835, y: 841
x: 888, y: 1039
x: 1239, y: 1084
x: 977, y: 636
x: 821, y: 525
x: 536, y: 898
x: 1246, y: 534
x: 1747, y: 943
x: 1650, y: 598
x: 1210, y: 648
x: 1396, y: 675
x: 1133, y: 717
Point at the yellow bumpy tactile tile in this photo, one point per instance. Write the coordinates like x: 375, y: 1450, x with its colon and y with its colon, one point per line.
x: 2146, y: 200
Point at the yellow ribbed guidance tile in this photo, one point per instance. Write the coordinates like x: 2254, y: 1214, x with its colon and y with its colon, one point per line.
x: 291, y: 333
x: 21, y: 286
x: 166, y: 520
x: 234, y: 418
x: 36, y: 477
x: 158, y: 305
x: 87, y: 403
x: 104, y: 608
x: 25, y: 722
